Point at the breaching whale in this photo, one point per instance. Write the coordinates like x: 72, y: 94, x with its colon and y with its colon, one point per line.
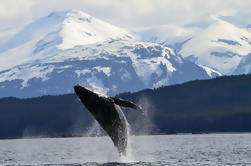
x: 107, y: 112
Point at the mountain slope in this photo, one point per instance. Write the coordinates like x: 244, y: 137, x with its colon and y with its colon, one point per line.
x: 109, y: 68
x: 165, y: 34
x: 220, y: 46
x: 57, y: 31
x: 244, y: 66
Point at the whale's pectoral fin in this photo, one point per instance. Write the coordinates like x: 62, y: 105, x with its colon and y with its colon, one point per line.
x: 125, y: 103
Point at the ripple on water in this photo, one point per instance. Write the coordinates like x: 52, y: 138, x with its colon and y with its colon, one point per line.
x: 173, y: 150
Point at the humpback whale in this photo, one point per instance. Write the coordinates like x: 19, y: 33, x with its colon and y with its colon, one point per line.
x: 107, y: 112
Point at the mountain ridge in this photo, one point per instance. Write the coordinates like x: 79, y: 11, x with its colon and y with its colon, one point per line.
x: 220, y: 45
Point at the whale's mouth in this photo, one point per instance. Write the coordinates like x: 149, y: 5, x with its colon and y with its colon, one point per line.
x: 80, y: 90
x: 77, y: 89
x: 84, y: 94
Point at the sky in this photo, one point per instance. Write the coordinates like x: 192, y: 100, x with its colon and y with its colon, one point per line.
x: 127, y: 13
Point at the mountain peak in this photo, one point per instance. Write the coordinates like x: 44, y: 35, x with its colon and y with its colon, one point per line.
x: 79, y: 28
x: 68, y: 28
x: 59, y: 30
x: 70, y: 14
x: 78, y: 13
x: 221, y: 45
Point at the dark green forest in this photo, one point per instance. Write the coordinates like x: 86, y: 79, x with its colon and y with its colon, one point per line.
x: 221, y: 104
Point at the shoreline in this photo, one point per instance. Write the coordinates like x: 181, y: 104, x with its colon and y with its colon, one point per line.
x: 160, y: 134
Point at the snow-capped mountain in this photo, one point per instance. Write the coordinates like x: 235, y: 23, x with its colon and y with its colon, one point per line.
x: 52, y: 54
x: 219, y: 45
x: 57, y: 31
x: 67, y: 29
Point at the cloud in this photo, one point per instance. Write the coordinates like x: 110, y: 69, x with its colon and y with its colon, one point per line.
x: 124, y: 13
x: 12, y: 9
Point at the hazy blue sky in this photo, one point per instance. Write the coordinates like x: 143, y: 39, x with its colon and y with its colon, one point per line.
x: 125, y: 13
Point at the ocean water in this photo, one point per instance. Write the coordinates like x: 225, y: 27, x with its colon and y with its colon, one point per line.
x: 173, y: 150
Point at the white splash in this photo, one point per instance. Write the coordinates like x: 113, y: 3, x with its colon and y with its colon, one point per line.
x: 94, y: 130
x: 129, y: 153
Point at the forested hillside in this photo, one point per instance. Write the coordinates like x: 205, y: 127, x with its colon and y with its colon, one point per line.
x: 222, y: 104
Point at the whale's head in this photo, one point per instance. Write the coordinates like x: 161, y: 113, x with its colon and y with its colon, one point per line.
x: 85, y: 95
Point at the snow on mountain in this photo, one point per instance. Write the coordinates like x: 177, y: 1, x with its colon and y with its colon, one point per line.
x: 52, y: 54
x: 165, y: 34
x: 108, y: 67
x: 219, y: 43
x: 57, y: 31
x: 211, y: 72
x: 245, y: 66
x: 220, y: 46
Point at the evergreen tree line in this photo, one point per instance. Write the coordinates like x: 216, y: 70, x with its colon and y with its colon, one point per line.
x: 221, y: 104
